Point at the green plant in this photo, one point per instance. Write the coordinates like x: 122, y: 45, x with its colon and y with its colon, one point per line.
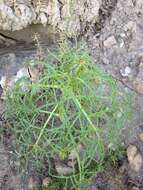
x: 73, y: 104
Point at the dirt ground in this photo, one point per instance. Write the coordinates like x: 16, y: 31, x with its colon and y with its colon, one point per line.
x: 117, y: 46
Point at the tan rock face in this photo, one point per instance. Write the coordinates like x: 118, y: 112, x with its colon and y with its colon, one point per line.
x: 134, y: 157
x: 63, y: 15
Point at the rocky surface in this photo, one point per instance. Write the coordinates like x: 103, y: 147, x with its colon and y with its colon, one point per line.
x: 116, y: 43
x: 65, y: 15
x: 118, y: 48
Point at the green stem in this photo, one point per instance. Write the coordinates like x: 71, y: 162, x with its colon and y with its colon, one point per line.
x: 86, y: 115
x: 42, y: 130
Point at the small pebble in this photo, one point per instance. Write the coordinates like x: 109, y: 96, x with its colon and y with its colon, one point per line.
x: 63, y: 169
x: 46, y: 181
x: 141, y: 136
x: 110, y: 41
x: 33, y: 183
x: 22, y: 73
x: 134, y: 158
x: 125, y: 72
x: 139, y: 87
x: 135, y: 188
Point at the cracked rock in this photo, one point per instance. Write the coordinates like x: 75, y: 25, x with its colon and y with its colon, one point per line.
x: 16, y: 15
x: 109, y: 42
x: 134, y: 158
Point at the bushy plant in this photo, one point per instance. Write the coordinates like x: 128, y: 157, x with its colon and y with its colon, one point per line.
x: 73, y: 104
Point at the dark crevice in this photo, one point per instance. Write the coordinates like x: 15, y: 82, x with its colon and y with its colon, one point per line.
x: 7, y: 37
x: 60, y: 8
x: 105, y: 12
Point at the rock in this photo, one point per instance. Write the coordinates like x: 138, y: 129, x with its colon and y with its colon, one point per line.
x: 94, y: 187
x: 22, y: 73
x: 46, y: 181
x: 122, y: 43
x: 72, y: 158
x: 4, y: 164
x: 7, y: 41
x: 74, y: 152
x: 24, y: 86
x: 7, y: 82
x: 139, y: 86
x: 134, y: 158
x: 141, y: 136
x: 123, y: 35
x: 13, y: 182
x: 11, y: 59
x: 72, y: 155
x: 24, y: 76
x: 130, y: 26
x: 43, y: 19
x: 35, y: 72
x: 131, y: 152
x: 1, y: 90
x: 3, y: 81
x: 139, y: 6
x: 105, y: 61
x: 32, y: 183
x: 63, y: 169
x: 60, y: 15
x: 72, y: 163
x: 110, y: 42
x: 135, y: 188
x: 125, y: 72
x: 140, y: 70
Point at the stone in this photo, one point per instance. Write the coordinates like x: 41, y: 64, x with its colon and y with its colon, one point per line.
x: 43, y: 18
x: 135, y: 188
x: 71, y: 163
x: 131, y: 152
x: 1, y: 90
x: 141, y: 136
x: 74, y: 152
x: 24, y: 86
x: 138, y: 83
x: 139, y: 6
x: 32, y: 183
x: 134, y: 158
x: 23, y: 72
x: 3, y: 82
x: 17, y: 15
x: 7, y: 41
x: 7, y: 82
x: 11, y: 58
x: 122, y: 43
x: 35, y: 72
x: 130, y: 26
x: 126, y: 71
x: 63, y: 169
x: 139, y: 86
x: 105, y: 61
x: 4, y: 164
x: 109, y: 42
x: 46, y: 181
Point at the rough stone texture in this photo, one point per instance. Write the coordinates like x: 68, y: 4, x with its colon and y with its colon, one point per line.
x: 71, y: 16
x: 134, y: 158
